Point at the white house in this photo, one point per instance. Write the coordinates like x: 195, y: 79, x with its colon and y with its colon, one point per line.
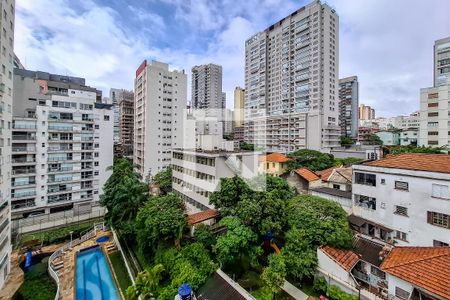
x: 403, y: 199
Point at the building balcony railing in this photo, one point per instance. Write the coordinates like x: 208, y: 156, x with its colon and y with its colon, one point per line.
x: 24, y: 205
x: 23, y: 126
x: 58, y: 149
x: 23, y: 138
x: 22, y: 183
x: 59, y: 190
x: 61, y: 169
x: 59, y: 158
x: 23, y: 160
x: 60, y: 128
x: 24, y: 194
x: 23, y: 149
x: 50, y: 180
x: 23, y: 171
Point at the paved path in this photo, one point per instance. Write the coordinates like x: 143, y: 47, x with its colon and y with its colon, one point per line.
x: 293, y: 291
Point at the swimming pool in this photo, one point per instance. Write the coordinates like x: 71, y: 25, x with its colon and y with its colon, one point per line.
x: 93, y: 277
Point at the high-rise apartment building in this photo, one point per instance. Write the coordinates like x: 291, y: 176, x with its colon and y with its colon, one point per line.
x: 126, y: 122
x: 441, y: 61
x: 114, y: 96
x: 6, y: 95
x: 62, y: 145
x: 348, y: 106
x: 207, y: 87
x: 291, y: 82
x: 366, y: 112
x: 160, y: 99
x: 238, y: 113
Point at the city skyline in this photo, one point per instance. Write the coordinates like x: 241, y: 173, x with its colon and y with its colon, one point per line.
x: 198, y: 34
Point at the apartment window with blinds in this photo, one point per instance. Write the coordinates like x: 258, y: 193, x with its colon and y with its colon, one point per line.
x: 401, y: 210
x: 400, y: 235
x: 367, y: 179
x: 401, y: 293
x: 438, y: 219
x: 440, y: 191
x: 401, y: 185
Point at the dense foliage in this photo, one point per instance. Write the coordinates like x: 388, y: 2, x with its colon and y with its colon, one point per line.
x: 162, y: 218
x: 164, y: 180
x: 311, y: 159
x: 123, y: 195
x: 247, y: 146
x: 373, y: 139
x: 414, y: 149
x: 346, y: 141
x: 348, y: 161
x: 332, y: 291
x: 274, y: 274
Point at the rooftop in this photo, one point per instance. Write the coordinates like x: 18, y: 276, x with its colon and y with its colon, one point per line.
x: 307, y: 174
x: 425, y: 267
x: 202, y: 216
x: 415, y: 161
x: 333, y: 192
x: 325, y: 174
x: 274, y: 157
x: 347, y: 259
x: 368, y: 251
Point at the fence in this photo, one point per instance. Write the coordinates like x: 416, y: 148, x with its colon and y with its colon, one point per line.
x: 90, y: 234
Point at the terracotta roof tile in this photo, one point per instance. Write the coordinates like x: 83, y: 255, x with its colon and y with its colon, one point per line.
x: 307, y: 174
x: 202, y: 216
x: 274, y: 157
x: 415, y: 161
x: 347, y: 259
x: 325, y: 174
x: 425, y: 267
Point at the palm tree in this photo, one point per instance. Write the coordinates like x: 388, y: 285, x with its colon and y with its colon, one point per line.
x: 146, y: 284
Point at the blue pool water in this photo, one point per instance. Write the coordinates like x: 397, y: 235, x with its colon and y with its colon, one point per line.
x: 102, y: 239
x: 93, y: 277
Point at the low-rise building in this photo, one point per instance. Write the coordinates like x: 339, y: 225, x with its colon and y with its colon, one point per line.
x: 389, y: 138
x: 409, y: 136
x: 403, y: 199
x: 273, y: 164
x: 365, y: 132
x: 303, y: 180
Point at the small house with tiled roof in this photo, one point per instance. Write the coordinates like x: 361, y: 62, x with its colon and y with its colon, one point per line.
x: 403, y: 199
x: 273, y: 164
x: 303, y: 180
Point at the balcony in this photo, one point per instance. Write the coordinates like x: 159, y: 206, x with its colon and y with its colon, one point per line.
x: 23, y: 138
x: 23, y: 160
x: 60, y: 158
x: 23, y: 204
x: 23, y: 171
x: 59, y: 149
x: 22, y: 183
x: 61, y: 169
x: 60, y: 128
x: 19, y: 194
x: 60, y: 179
x: 23, y: 149
x: 59, y: 189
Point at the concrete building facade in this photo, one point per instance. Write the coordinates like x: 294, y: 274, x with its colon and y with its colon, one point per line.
x: 207, y: 87
x: 366, y: 112
x: 62, y: 145
x: 238, y: 113
x: 441, y: 61
x: 7, y: 22
x: 348, y: 106
x: 291, y: 82
x: 398, y: 122
x: 125, y: 120
x: 160, y: 99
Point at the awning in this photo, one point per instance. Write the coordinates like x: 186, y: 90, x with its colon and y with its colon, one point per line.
x: 358, y: 222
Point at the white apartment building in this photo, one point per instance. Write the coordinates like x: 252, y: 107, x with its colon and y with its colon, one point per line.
x: 196, y: 173
x: 409, y: 136
x: 115, y: 96
x: 403, y: 199
x: 238, y: 112
x: 7, y: 22
x: 291, y: 82
x: 207, y: 87
x: 435, y: 116
x: 62, y: 144
x: 398, y: 122
x: 160, y: 99
x: 348, y: 106
x: 441, y: 61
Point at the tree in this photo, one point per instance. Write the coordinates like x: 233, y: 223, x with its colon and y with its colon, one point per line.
x: 146, y: 284
x: 346, y: 141
x: 226, y: 199
x: 237, y: 242
x: 275, y: 273
x: 204, y: 235
x: 413, y: 149
x: 300, y: 256
x: 323, y: 222
x: 311, y: 159
x: 164, y: 179
x: 123, y: 195
x: 373, y: 139
x: 246, y: 146
x: 162, y: 218
x: 348, y: 161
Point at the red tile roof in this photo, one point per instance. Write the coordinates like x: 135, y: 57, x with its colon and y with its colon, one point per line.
x: 325, y: 174
x: 307, y: 174
x: 425, y: 267
x: 415, y: 161
x: 202, y: 216
x: 347, y: 259
x: 274, y: 157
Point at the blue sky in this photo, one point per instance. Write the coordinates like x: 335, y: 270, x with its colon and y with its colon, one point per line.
x: 387, y: 44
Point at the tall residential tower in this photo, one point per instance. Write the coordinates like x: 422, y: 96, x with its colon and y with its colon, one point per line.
x: 207, y: 87
x: 160, y: 100
x: 348, y: 106
x: 291, y: 82
x: 441, y: 61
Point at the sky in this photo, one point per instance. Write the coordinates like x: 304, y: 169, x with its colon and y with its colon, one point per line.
x: 388, y: 44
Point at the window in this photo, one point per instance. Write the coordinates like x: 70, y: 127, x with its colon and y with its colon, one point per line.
x: 367, y: 179
x: 401, y: 210
x: 399, y: 235
x: 366, y: 202
x: 438, y: 219
x: 433, y: 114
x: 440, y: 191
x: 106, y: 118
x: 336, y: 186
x: 401, y: 185
x: 401, y: 293
x: 439, y: 244
x: 383, y: 181
x: 377, y: 272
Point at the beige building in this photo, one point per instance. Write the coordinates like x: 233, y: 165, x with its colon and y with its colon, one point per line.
x: 291, y: 82
x: 6, y: 101
x: 126, y: 122
x: 160, y: 99
x: 441, y: 61
x: 366, y: 112
x: 238, y: 114
x: 273, y: 164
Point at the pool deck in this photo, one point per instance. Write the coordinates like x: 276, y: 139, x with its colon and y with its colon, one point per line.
x: 67, y: 283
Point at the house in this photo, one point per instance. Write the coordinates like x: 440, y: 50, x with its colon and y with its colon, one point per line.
x: 303, y: 180
x: 375, y: 271
x: 207, y: 217
x: 409, y: 136
x: 273, y: 164
x: 403, y: 199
